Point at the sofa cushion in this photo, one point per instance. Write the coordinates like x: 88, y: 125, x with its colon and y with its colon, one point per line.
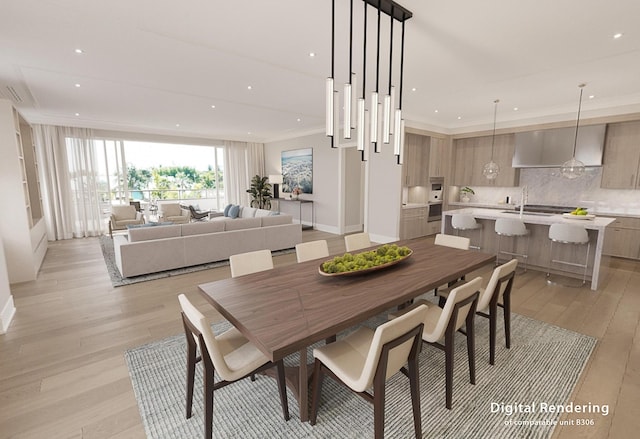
x: 154, y: 232
x: 225, y: 212
x: 276, y: 220
x: 248, y: 212
x: 242, y: 223
x: 262, y: 212
x: 201, y: 227
x: 234, y: 211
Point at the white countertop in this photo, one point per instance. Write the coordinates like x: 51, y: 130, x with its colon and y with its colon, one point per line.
x: 597, y: 223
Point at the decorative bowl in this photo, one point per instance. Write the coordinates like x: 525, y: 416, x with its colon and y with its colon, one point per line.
x: 364, y: 270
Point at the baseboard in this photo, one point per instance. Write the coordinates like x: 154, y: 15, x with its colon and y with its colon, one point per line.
x: 326, y: 228
x: 8, y: 311
x: 381, y: 238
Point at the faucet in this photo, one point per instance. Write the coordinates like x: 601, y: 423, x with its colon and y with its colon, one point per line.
x: 524, y: 197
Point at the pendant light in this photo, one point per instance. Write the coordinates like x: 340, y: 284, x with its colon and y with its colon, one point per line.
x: 329, y: 86
x: 375, y: 103
x: 574, y: 168
x: 492, y: 169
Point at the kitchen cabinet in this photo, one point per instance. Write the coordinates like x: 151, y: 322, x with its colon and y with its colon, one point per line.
x: 436, y: 157
x: 415, y: 168
x: 413, y: 222
x: 622, y: 238
x: 471, y: 154
x: 434, y: 227
x: 22, y: 225
x: 621, y: 160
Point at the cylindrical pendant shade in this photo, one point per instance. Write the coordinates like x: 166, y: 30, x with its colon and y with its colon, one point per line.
x: 329, y: 107
x: 373, y: 115
x: 354, y: 99
x: 392, y: 109
x: 347, y: 111
x: 360, y: 125
x: 386, y: 119
x: 401, y: 136
x: 397, y: 133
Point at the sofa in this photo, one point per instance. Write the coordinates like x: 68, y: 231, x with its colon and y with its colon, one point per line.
x: 166, y: 247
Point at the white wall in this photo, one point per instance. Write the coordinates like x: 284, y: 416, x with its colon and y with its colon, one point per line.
x: 384, y: 196
x: 325, y: 178
x: 7, y: 309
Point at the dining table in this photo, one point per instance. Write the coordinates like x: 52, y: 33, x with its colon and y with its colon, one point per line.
x: 289, y: 308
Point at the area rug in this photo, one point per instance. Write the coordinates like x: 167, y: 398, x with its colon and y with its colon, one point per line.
x: 541, y: 369
x: 106, y: 244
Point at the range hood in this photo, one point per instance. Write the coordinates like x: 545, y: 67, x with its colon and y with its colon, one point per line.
x: 551, y: 148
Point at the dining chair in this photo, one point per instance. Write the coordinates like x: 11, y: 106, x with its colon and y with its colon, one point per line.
x: 496, y: 294
x: 459, y: 242
x: 307, y: 251
x: 250, y: 262
x: 367, y: 358
x: 357, y: 241
x: 441, y: 324
x: 229, y: 354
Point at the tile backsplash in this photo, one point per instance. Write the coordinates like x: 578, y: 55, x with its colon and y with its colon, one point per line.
x: 547, y: 186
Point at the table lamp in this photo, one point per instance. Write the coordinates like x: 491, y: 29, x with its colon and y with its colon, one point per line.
x: 275, y: 180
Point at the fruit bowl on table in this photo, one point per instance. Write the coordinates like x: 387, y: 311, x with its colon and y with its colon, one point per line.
x: 376, y: 259
x: 587, y: 216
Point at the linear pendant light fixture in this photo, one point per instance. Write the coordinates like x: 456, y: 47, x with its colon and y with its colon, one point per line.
x: 492, y: 169
x: 374, y: 122
x: 574, y: 168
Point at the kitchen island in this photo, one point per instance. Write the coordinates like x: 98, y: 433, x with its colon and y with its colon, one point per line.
x: 539, y: 244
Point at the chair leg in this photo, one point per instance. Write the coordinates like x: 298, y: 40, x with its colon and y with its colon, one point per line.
x: 253, y: 377
x: 318, y: 375
x: 208, y: 404
x: 191, y: 370
x: 378, y: 406
x: 493, y: 316
x: 471, y: 348
x: 448, y: 352
x: 283, y: 390
x: 415, y: 396
x: 506, y: 306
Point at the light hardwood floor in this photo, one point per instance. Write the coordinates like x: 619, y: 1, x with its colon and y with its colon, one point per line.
x: 63, y: 375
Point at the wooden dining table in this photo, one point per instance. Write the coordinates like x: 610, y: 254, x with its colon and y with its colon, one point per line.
x: 287, y: 309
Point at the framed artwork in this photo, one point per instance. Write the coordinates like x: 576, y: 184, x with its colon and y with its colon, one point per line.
x: 297, y: 170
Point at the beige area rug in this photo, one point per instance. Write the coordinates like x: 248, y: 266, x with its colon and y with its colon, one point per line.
x: 542, y: 367
x: 106, y: 244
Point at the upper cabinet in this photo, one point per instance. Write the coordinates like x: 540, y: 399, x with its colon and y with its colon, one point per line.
x: 471, y: 154
x: 436, y: 157
x: 415, y: 169
x: 621, y: 161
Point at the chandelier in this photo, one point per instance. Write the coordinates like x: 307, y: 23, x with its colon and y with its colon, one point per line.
x: 375, y: 121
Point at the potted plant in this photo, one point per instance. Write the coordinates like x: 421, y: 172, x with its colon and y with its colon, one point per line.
x: 260, y: 192
x: 295, y: 193
x: 464, y: 194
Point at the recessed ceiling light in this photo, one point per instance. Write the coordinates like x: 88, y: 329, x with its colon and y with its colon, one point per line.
x: 213, y: 106
x: 592, y: 96
x: 249, y: 132
x: 299, y: 120
x: 77, y: 85
x: 459, y: 117
x: 515, y: 108
x: 79, y: 51
x: 312, y: 54
x: 413, y: 89
x: 618, y: 35
x: 436, y: 111
x: 77, y: 114
x: 249, y: 87
x: 178, y: 125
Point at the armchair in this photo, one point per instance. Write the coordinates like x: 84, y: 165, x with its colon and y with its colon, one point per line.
x: 123, y: 216
x: 198, y: 216
x: 173, y: 212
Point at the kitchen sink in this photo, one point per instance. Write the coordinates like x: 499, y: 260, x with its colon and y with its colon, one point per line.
x: 517, y: 212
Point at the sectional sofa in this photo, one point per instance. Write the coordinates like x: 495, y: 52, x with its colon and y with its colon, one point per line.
x: 166, y: 247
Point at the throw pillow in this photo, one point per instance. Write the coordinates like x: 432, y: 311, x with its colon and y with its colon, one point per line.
x: 225, y: 212
x: 234, y: 211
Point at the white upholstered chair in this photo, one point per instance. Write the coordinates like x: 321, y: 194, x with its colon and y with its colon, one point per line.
x: 464, y: 222
x: 307, y: 251
x: 357, y: 241
x: 123, y: 216
x: 250, y: 262
x: 367, y: 358
x: 459, y: 242
x: 568, y: 234
x: 229, y: 354
x: 174, y: 213
x: 441, y: 324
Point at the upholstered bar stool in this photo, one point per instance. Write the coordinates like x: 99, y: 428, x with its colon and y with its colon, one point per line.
x: 574, y: 235
x: 462, y: 222
x: 514, y: 229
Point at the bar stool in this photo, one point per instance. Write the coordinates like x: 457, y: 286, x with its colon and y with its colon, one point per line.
x: 463, y: 222
x: 575, y: 235
x: 512, y: 228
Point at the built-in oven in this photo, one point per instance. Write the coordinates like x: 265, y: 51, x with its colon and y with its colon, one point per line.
x: 435, y: 211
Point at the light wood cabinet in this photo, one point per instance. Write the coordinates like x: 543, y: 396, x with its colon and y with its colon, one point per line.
x: 436, y: 157
x: 22, y: 224
x: 621, y: 160
x: 434, y: 227
x: 413, y: 222
x: 471, y: 154
x: 622, y: 238
x: 415, y: 169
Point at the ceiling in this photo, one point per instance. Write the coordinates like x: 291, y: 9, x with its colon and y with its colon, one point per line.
x: 158, y: 66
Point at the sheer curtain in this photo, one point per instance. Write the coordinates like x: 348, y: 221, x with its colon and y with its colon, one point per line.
x: 68, y: 181
x: 241, y: 162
